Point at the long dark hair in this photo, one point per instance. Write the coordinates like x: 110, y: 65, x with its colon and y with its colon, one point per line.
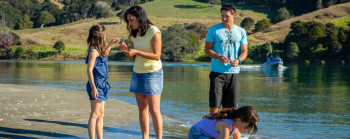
x: 141, y: 16
x: 96, y: 39
x: 245, y: 113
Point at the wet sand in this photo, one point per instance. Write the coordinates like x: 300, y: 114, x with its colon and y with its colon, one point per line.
x: 38, y: 112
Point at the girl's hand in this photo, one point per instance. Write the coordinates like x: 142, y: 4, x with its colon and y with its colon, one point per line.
x: 123, y: 47
x: 114, y: 41
x: 94, y: 93
x: 234, y: 63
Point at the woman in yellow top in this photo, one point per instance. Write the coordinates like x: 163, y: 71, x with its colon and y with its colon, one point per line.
x: 147, y: 78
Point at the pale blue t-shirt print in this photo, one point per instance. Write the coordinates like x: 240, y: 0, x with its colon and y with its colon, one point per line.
x: 228, y: 44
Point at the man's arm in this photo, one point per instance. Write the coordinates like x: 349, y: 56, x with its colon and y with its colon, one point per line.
x: 209, y: 52
x: 242, y: 57
x: 244, y: 53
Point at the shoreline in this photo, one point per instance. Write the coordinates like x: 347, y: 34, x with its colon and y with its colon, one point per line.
x: 40, y: 112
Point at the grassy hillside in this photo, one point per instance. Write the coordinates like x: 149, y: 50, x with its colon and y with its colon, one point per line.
x: 279, y: 31
x: 165, y: 13
x: 343, y: 22
x: 162, y: 13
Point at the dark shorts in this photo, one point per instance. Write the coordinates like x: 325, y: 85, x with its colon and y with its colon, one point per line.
x: 223, y: 90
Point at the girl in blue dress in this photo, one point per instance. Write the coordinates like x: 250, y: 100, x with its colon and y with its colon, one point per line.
x: 97, y: 71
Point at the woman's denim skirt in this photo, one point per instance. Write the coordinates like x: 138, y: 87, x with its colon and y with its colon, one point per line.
x: 147, y: 83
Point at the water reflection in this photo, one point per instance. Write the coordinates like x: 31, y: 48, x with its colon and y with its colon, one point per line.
x: 290, y: 102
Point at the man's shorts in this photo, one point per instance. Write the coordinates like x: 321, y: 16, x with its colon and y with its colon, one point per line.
x: 223, y: 90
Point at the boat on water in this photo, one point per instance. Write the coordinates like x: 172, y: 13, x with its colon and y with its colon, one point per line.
x: 274, y: 62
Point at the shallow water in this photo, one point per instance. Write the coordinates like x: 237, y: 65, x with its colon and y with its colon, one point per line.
x: 299, y: 101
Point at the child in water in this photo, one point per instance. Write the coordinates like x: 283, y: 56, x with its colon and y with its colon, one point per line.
x: 97, y: 71
x: 224, y: 124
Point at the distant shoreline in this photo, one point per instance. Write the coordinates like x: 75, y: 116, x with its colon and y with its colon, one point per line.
x: 40, y: 112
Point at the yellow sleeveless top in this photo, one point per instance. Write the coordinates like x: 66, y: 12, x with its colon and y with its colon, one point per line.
x: 143, y: 65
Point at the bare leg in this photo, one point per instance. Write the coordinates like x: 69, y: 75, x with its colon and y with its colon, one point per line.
x: 95, y: 107
x: 1, y: 120
x: 154, y: 106
x: 143, y: 114
x: 214, y: 110
x: 99, y: 121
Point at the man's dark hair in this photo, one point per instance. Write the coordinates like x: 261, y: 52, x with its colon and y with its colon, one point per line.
x: 228, y: 7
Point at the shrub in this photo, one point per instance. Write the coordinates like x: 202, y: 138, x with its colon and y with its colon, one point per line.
x: 247, y: 23
x: 178, y: 42
x: 102, y: 10
x: 282, y: 14
x: 261, y: 25
x: 19, y: 52
x: 59, y: 46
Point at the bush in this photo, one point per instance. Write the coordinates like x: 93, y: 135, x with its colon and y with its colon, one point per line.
x: 59, y: 46
x: 198, y: 29
x: 178, y: 42
x: 292, y: 51
x: 261, y: 25
x: 247, y: 23
x: 102, y: 10
x: 19, y: 52
x: 282, y: 14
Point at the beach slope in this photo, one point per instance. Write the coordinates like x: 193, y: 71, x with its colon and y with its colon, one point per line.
x: 39, y: 112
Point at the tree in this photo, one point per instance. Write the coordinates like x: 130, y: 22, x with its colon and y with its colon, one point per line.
x: 319, y: 52
x: 334, y: 49
x: 327, y: 3
x: 198, y: 29
x: 261, y: 25
x: 24, y: 23
x: 19, y: 52
x: 59, y: 46
x: 282, y: 14
x: 178, y: 42
x: 247, y: 23
x: 6, y: 38
x: 102, y: 10
x: 342, y: 36
x: 297, y: 33
x: 44, y: 18
x: 292, y: 51
x: 318, y: 4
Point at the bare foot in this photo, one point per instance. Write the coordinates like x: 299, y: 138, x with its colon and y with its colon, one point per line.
x: 1, y: 120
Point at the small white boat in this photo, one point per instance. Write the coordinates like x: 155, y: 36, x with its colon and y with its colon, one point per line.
x: 273, y: 62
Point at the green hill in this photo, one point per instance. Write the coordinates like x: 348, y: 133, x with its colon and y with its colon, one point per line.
x: 161, y: 12
x: 165, y: 13
x: 279, y: 31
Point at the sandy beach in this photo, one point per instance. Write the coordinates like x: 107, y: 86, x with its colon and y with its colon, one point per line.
x: 38, y: 112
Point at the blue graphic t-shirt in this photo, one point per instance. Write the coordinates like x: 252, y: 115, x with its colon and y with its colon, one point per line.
x: 228, y: 44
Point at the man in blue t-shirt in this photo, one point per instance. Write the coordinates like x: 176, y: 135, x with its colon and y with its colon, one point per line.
x: 223, y: 43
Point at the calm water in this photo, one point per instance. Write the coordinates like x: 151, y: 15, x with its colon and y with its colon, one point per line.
x: 300, y: 101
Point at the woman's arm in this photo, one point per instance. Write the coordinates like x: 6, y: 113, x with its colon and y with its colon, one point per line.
x: 156, y: 43
x: 92, y: 57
